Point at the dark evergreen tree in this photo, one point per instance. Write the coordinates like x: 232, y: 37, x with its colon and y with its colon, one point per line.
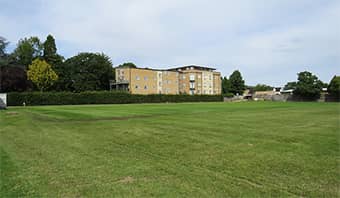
x: 50, y: 52
x: 237, y: 85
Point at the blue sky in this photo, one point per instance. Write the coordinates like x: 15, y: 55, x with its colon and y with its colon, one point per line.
x: 269, y: 41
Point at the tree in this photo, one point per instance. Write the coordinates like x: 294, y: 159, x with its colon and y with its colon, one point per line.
x: 3, y: 54
x: 3, y: 45
x: 290, y: 85
x: 27, y: 50
x: 129, y: 64
x: 334, y: 87
x: 263, y: 87
x: 41, y: 74
x: 50, y: 52
x: 237, y: 85
x: 86, y: 72
x: 13, y: 78
x: 308, y: 86
x: 225, y: 85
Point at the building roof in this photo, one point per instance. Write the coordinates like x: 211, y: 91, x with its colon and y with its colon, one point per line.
x: 171, y: 69
x: 194, y: 66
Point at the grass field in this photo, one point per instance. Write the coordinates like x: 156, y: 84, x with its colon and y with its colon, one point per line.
x: 174, y: 150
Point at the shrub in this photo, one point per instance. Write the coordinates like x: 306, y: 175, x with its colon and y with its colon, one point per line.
x: 228, y: 95
x: 100, y: 97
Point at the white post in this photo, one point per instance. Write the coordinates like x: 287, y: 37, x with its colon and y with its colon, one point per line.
x: 3, y: 100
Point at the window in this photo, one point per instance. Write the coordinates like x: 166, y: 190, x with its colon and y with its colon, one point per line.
x: 192, y: 76
x: 136, y: 87
x: 145, y: 78
x: 137, y: 78
x: 192, y: 92
x: 192, y: 85
x: 145, y: 87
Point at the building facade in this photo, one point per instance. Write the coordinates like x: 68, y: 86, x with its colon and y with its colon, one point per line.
x: 181, y: 80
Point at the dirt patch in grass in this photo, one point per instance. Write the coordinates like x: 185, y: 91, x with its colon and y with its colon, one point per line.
x: 126, y: 180
x: 51, y: 119
x: 11, y: 113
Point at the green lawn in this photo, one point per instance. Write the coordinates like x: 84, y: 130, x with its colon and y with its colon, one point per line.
x: 174, y: 150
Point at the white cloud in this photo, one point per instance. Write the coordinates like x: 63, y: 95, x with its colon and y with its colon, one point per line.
x: 258, y: 37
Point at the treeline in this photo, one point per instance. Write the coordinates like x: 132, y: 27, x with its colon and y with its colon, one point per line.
x: 308, y: 87
x: 36, y: 65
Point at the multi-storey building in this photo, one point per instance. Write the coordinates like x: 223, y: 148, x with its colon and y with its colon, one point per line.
x: 181, y: 80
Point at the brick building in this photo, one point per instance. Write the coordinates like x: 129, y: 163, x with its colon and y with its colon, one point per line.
x: 181, y: 80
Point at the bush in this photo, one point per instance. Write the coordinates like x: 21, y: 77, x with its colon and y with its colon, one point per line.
x: 100, y: 97
x: 228, y: 95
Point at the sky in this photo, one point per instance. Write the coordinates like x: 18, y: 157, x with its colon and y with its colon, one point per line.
x: 269, y: 41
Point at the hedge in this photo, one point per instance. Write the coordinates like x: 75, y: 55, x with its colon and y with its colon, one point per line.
x: 100, y: 97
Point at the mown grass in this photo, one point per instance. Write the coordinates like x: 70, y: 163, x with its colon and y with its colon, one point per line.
x: 188, y: 150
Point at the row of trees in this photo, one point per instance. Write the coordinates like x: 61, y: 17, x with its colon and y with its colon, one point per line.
x: 36, y: 65
x: 307, y: 86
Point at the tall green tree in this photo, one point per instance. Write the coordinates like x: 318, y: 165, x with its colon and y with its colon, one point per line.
x: 50, y: 54
x: 334, y: 87
x: 226, y: 86
x: 3, y: 55
x: 41, y: 74
x: 87, y: 72
x: 237, y: 85
x: 308, y: 86
x: 27, y: 50
x: 3, y: 45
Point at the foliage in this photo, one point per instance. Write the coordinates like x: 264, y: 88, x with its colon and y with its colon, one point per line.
x: 262, y: 87
x: 100, y: 97
x: 3, y: 44
x: 86, y: 72
x: 308, y: 86
x: 27, y: 50
x: 334, y: 87
x: 13, y: 78
x: 228, y: 95
x: 129, y: 65
x: 50, y: 52
x: 237, y: 85
x: 226, y: 86
x: 290, y: 85
x: 41, y: 74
